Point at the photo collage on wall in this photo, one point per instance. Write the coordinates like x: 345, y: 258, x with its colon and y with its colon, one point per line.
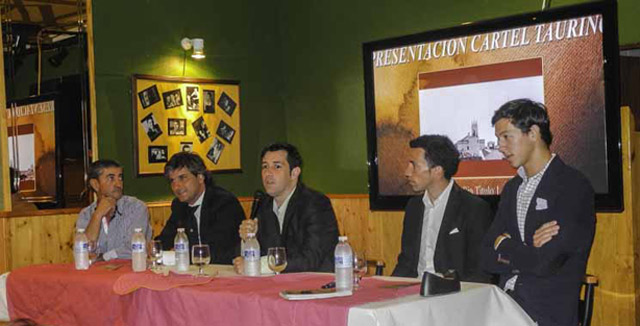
x: 175, y: 115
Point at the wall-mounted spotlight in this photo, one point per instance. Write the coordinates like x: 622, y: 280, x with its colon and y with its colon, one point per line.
x: 197, y: 44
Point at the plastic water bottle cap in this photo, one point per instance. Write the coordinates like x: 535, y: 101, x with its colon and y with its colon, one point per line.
x: 180, y: 229
x: 81, y: 230
x: 137, y: 229
x: 342, y: 238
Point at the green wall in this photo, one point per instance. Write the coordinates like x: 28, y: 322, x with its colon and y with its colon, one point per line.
x: 299, y: 63
x: 143, y: 37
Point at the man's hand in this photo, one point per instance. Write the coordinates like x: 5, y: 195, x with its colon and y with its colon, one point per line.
x: 105, y: 207
x: 545, y: 233
x: 238, y: 265
x: 248, y: 226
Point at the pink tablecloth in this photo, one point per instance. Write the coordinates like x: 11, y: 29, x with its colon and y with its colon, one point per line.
x: 60, y: 295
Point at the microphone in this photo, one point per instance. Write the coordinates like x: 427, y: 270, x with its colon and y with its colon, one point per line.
x: 257, y: 200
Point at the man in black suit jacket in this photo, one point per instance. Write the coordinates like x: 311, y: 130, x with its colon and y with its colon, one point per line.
x: 444, y: 226
x: 292, y: 216
x: 209, y: 214
x: 540, y: 240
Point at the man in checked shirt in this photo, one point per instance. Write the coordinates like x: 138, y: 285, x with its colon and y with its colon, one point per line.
x: 540, y: 239
x: 109, y: 222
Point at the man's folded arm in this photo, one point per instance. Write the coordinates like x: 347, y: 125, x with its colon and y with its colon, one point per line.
x: 574, y: 215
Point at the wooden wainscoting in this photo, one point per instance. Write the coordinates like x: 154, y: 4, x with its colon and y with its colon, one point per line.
x: 37, y: 239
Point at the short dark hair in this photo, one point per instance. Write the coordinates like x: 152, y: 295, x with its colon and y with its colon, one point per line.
x: 96, y: 168
x: 293, y: 156
x: 192, y: 161
x: 523, y: 114
x: 438, y: 151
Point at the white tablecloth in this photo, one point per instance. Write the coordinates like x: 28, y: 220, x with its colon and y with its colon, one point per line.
x: 475, y: 304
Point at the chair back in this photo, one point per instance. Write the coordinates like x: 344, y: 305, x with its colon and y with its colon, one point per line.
x: 585, y: 305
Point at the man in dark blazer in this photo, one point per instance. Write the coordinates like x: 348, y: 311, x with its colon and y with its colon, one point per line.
x: 292, y: 216
x: 444, y: 226
x: 540, y: 239
x: 209, y: 214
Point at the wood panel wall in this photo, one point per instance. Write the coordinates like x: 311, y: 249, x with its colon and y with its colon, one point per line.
x: 377, y: 233
x: 614, y: 256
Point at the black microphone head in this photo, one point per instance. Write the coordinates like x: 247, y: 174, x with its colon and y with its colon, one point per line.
x: 258, y: 194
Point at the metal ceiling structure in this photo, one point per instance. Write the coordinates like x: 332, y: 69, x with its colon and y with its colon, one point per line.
x: 44, y: 13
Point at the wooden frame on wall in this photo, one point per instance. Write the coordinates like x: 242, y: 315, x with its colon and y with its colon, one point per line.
x: 174, y: 114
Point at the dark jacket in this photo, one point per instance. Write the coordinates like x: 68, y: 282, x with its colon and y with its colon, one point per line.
x: 549, y: 277
x: 309, y: 233
x: 457, y: 250
x: 220, y: 218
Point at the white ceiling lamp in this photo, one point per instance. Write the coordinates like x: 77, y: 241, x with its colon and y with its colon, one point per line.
x: 197, y: 44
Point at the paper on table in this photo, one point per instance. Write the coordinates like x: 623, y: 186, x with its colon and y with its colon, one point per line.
x: 313, y: 294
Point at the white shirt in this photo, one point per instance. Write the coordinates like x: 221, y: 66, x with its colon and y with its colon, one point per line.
x: 431, y: 221
x: 197, y: 212
x: 280, y: 211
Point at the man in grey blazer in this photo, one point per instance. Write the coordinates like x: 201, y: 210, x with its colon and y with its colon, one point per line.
x: 444, y: 225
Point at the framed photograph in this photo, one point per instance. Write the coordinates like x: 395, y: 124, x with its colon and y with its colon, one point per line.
x: 227, y: 103
x: 215, y: 150
x: 172, y: 99
x: 201, y: 129
x: 209, y: 101
x: 187, y: 119
x: 225, y: 131
x: 149, y: 96
x: 177, y: 127
x: 158, y: 154
x: 193, y: 98
x: 186, y: 146
x: 151, y: 127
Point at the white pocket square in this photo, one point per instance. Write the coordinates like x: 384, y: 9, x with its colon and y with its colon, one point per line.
x: 454, y: 231
x: 541, y: 204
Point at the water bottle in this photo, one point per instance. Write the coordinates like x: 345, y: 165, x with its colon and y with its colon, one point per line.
x: 251, y: 255
x: 344, y: 265
x: 138, y: 252
x: 181, y: 247
x: 81, y: 250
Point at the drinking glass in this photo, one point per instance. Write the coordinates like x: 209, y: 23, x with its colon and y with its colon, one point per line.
x: 277, y: 259
x: 359, y: 267
x: 154, y: 253
x: 92, y: 247
x: 200, y: 255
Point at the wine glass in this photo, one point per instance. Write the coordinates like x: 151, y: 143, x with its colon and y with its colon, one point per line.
x: 200, y: 255
x: 154, y: 253
x: 359, y: 267
x: 92, y: 248
x: 277, y: 259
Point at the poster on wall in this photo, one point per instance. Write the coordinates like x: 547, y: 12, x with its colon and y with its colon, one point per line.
x: 32, y: 147
x: 173, y: 114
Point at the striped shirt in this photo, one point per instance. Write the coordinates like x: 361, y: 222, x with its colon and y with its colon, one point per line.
x: 131, y: 213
